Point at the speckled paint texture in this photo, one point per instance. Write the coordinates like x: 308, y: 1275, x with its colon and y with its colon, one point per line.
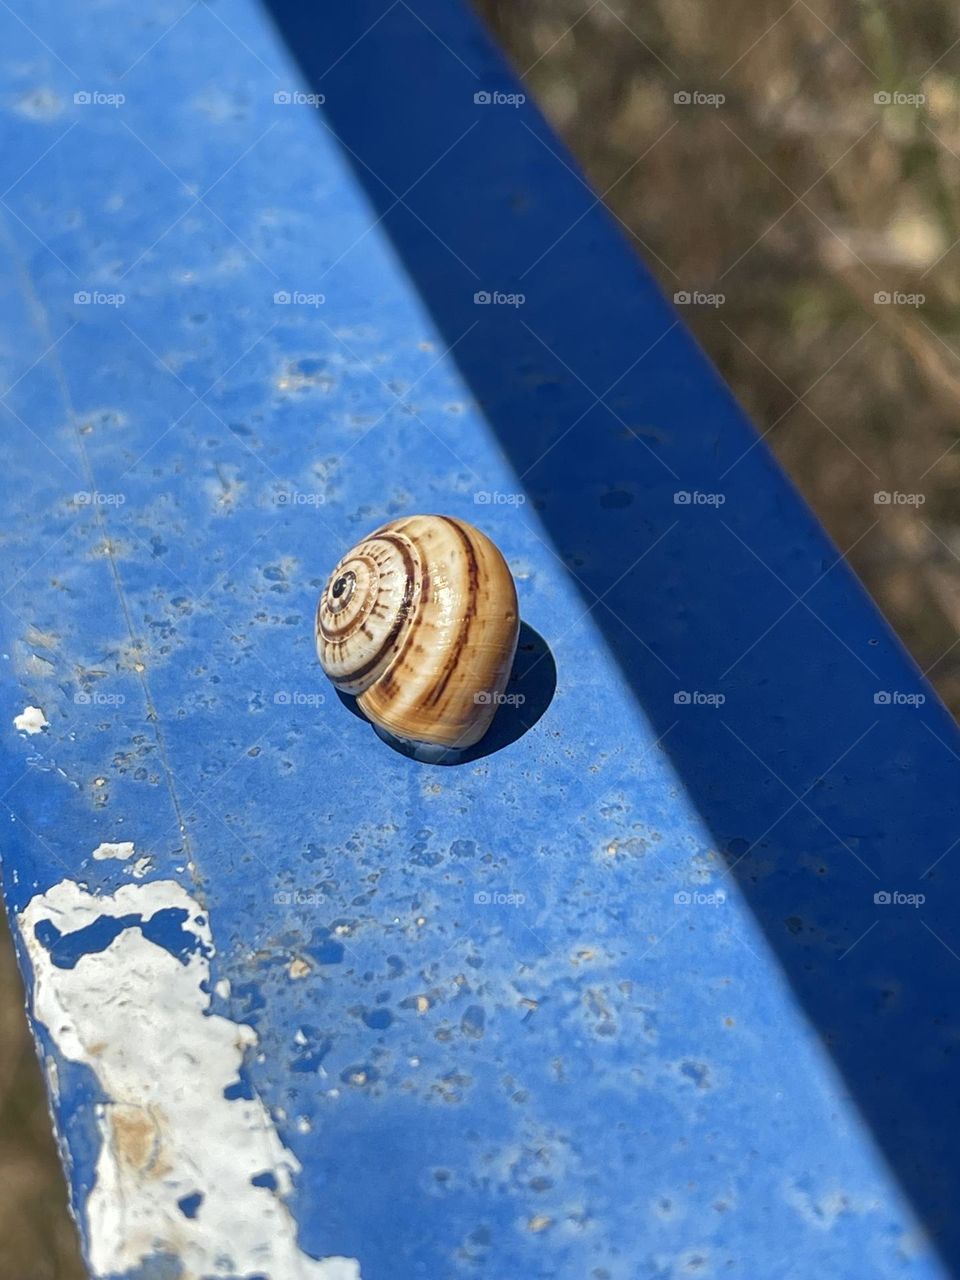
x: 614, y: 999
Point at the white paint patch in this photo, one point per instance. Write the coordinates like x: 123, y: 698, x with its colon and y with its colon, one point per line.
x: 122, y: 851
x: 141, y: 867
x: 138, y: 1017
x: 30, y: 720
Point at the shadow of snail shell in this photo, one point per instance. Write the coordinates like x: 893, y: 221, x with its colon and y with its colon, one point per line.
x: 420, y: 622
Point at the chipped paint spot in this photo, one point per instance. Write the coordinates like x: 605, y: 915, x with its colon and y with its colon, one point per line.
x: 34, y: 664
x: 226, y: 489
x: 122, y: 985
x: 52, y: 1072
x: 42, y: 639
x: 30, y: 720
x: 123, y: 850
x: 298, y: 968
x: 40, y: 104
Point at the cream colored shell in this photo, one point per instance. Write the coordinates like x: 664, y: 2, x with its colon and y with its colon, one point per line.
x: 420, y: 620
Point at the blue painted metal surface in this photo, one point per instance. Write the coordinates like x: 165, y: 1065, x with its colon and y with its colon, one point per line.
x: 613, y: 1000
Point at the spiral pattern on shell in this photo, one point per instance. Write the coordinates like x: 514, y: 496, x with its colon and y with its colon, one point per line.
x: 420, y: 621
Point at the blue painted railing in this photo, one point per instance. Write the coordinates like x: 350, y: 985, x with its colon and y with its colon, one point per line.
x: 663, y: 980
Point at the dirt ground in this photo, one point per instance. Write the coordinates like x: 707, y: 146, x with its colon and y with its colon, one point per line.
x: 785, y: 184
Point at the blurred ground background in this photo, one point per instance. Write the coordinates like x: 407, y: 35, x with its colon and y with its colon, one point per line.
x: 799, y: 198
x: 37, y: 1240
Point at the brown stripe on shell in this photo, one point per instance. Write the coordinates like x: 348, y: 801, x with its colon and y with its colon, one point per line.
x: 388, y: 682
x: 473, y: 577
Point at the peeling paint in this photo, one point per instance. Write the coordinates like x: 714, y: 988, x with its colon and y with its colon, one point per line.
x: 122, y: 851
x: 121, y: 983
x: 30, y: 720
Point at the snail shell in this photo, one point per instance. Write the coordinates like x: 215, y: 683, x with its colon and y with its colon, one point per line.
x: 420, y: 621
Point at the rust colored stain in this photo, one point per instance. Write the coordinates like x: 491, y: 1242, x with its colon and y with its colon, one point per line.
x: 136, y: 1134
